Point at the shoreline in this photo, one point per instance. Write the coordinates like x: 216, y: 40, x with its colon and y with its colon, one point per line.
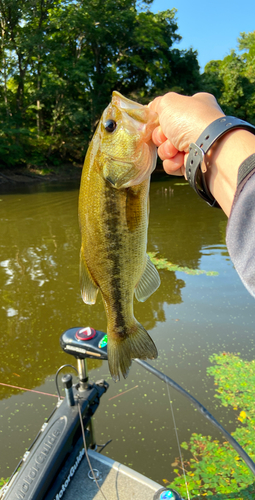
x: 16, y: 176
x: 24, y: 175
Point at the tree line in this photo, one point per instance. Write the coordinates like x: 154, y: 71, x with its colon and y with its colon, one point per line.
x: 60, y: 60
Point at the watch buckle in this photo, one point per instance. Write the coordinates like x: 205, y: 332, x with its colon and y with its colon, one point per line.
x: 198, y: 151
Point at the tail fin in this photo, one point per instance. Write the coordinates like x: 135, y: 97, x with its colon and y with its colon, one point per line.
x: 137, y: 344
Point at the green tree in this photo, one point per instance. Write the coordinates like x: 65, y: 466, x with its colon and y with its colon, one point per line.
x: 61, y: 60
x: 232, y: 80
x: 247, y: 44
x: 24, y: 29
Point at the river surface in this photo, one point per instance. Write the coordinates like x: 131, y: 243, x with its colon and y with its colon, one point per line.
x: 189, y: 317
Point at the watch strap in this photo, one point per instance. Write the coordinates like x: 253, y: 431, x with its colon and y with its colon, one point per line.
x: 195, y: 169
x: 246, y: 168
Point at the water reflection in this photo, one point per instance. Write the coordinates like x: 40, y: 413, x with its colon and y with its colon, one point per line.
x: 39, y: 271
x: 189, y: 317
x: 39, y: 280
x: 38, y: 254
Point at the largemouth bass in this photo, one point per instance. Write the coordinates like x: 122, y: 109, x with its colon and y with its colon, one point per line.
x: 113, y: 216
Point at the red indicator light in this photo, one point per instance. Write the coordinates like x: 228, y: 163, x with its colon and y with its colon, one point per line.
x: 85, y: 333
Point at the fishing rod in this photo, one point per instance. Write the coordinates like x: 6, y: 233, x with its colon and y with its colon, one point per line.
x: 249, y: 462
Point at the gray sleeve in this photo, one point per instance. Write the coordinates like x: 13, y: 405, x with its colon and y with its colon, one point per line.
x: 241, y: 226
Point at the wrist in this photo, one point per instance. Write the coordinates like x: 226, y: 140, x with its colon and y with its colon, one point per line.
x: 216, y: 157
x: 223, y: 161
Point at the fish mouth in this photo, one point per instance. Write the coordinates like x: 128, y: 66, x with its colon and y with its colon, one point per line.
x: 125, y: 103
x: 138, y: 122
x: 145, y: 119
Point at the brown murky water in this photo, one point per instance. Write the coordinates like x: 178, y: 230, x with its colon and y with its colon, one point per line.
x: 189, y: 317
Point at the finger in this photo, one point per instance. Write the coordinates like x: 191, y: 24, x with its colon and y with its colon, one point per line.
x: 175, y: 165
x: 154, y: 105
x: 167, y: 150
x: 169, y: 170
x: 158, y: 136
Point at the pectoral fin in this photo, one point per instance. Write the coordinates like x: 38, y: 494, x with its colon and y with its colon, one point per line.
x: 88, y: 287
x: 148, y: 283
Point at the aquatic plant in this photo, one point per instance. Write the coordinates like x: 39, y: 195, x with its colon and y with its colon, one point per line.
x: 3, y: 481
x: 215, y: 470
x: 162, y: 263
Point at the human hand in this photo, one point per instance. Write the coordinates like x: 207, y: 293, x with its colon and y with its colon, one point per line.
x: 182, y: 119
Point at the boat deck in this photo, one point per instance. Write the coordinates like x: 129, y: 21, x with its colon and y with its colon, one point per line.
x: 117, y: 481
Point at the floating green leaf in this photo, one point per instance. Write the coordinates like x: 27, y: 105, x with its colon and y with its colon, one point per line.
x: 162, y: 263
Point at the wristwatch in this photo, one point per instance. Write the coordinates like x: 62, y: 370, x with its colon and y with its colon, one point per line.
x: 195, y: 168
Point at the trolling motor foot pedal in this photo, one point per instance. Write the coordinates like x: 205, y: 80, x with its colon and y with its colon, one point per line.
x: 84, y: 343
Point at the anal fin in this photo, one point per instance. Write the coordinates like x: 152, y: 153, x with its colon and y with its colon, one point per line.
x: 149, y: 282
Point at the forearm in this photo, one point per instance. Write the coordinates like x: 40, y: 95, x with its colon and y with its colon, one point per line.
x: 223, y: 162
x: 229, y: 172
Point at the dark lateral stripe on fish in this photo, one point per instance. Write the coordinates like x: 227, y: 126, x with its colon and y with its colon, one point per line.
x: 113, y: 232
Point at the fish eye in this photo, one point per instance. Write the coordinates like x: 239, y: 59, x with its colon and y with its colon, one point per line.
x: 110, y: 125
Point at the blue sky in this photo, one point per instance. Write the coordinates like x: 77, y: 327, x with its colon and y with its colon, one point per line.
x: 210, y: 27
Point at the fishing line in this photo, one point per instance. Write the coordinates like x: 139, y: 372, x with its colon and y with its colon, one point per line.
x: 177, y: 437
x: 241, y: 452
x: 86, y: 451
x: 29, y: 390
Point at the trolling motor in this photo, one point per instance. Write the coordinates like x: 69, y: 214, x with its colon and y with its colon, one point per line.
x: 47, y: 468
x: 58, y: 449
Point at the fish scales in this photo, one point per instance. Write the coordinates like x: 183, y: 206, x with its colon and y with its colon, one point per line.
x: 125, y: 271
x: 113, y: 214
